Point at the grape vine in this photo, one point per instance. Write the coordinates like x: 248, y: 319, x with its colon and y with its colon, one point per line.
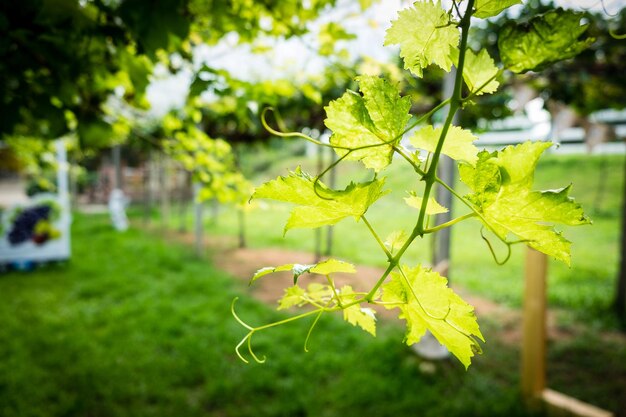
x: 368, y: 127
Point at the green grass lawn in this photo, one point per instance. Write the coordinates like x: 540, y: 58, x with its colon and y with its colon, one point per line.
x: 584, y: 292
x: 134, y: 326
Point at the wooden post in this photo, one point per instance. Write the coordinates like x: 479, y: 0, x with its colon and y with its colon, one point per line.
x: 534, y: 348
x: 197, y: 220
x: 241, y: 216
x: 534, y: 328
x: 164, y: 190
x: 150, y: 177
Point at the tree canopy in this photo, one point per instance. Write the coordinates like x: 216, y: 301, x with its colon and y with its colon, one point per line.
x: 61, y: 60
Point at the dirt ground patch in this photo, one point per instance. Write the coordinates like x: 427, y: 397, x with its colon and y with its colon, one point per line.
x: 242, y: 263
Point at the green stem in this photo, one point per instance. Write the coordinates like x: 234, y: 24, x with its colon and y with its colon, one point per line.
x: 370, y: 295
x: 430, y: 176
x: 332, y: 287
x: 470, y: 206
x: 287, y: 320
x: 455, y: 103
x: 449, y: 223
x: 425, y: 116
x: 378, y: 239
x: 410, y: 160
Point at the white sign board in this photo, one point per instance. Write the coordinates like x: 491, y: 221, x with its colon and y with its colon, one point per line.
x: 39, y: 230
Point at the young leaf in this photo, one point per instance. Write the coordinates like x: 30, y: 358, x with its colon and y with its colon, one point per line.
x: 395, y: 240
x: 478, y: 70
x: 293, y: 296
x: 545, y: 39
x: 488, y: 8
x: 319, y: 293
x: 330, y: 266
x: 501, y: 183
x: 297, y: 296
x: 270, y: 270
x: 325, y: 207
x: 432, y: 207
x: 326, y: 267
x: 375, y: 120
x: 356, y: 315
x: 437, y: 308
x: 426, y: 35
x: 458, y: 144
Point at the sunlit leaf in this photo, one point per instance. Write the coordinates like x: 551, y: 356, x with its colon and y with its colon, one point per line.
x: 426, y: 35
x: 426, y: 303
x: 293, y: 296
x: 326, y: 267
x: 374, y: 120
x: 502, y: 192
x: 488, y: 8
x: 543, y: 40
x: 479, y: 72
x: 458, y: 143
x: 319, y: 293
x: 318, y: 205
x: 432, y: 207
x: 356, y: 315
x: 395, y: 240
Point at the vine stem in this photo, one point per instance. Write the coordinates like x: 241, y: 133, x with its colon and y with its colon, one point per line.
x: 470, y: 206
x: 449, y: 223
x: 430, y: 177
x: 378, y: 239
x: 455, y: 103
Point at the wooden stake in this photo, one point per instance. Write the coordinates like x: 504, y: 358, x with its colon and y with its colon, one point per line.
x: 198, y: 222
x: 560, y: 405
x: 534, y: 328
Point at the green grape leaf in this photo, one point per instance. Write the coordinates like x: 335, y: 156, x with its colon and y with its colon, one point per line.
x: 426, y: 35
x: 543, y: 40
x: 501, y: 183
x: 484, y: 179
x: 478, y: 70
x: 432, y: 207
x: 426, y: 303
x: 488, y: 8
x: 395, y: 240
x: 270, y: 270
x: 329, y: 207
x: 326, y: 267
x: 319, y: 293
x: 375, y: 120
x: 293, y: 296
x: 356, y: 315
x: 458, y: 143
x: 297, y: 296
x: 330, y: 266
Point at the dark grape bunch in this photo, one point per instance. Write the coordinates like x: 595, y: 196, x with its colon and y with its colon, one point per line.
x: 23, y: 228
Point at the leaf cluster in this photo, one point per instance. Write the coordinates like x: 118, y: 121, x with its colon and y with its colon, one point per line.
x: 369, y: 126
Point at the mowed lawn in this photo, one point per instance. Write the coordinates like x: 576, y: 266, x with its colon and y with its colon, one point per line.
x: 135, y: 326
